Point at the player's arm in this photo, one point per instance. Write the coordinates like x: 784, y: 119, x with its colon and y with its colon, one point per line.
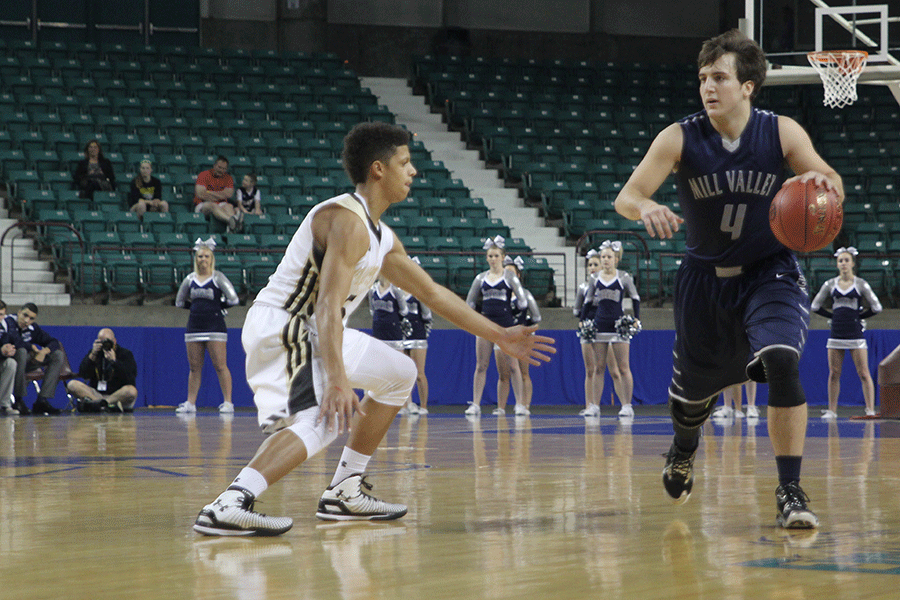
x: 802, y: 158
x: 635, y: 201
x: 515, y: 341
x: 343, y: 238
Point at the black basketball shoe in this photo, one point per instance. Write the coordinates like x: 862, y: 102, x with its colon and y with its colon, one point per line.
x: 678, y: 474
x: 792, y: 510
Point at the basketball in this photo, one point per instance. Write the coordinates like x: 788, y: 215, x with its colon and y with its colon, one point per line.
x: 804, y: 217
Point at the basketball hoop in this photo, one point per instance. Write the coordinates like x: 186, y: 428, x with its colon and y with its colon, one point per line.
x: 839, y: 70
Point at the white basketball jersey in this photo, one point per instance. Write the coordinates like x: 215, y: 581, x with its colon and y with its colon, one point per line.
x: 294, y: 285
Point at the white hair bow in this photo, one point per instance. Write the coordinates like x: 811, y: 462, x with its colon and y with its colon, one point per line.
x: 614, y: 246
x: 498, y: 241
x: 853, y: 251
x: 416, y: 260
x: 208, y: 243
x: 509, y: 260
x: 590, y: 254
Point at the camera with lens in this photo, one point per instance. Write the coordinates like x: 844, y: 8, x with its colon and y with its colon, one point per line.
x: 107, y: 345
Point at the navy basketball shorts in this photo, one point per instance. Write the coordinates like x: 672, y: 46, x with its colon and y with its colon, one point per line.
x: 722, y: 322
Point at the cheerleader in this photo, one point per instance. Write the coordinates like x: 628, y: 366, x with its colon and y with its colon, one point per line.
x: 416, y: 347
x: 530, y: 316
x: 388, y: 309
x: 206, y: 293
x: 584, y: 310
x: 610, y: 287
x: 852, y: 300
x: 491, y: 295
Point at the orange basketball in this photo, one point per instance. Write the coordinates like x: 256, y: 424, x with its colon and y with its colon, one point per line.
x: 804, y: 217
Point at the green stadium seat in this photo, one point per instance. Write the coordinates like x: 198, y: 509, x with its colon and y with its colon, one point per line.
x: 232, y: 266
x: 158, y: 273
x: 259, y: 224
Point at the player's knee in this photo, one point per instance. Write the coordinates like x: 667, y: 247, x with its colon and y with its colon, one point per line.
x: 396, y: 387
x: 782, y: 367
x: 690, y: 415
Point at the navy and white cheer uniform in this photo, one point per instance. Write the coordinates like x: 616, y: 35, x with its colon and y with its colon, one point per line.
x: 420, y: 318
x: 493, y: 300
x: 608, y: 295
x: 387, y: 307
x: 248, y: 199
x: 207, y: 298
x: 530, y: 315
x: 849, y: 306
x: 584, y: 305
x: 738, y: 290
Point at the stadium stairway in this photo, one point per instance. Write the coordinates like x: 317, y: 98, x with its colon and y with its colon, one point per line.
x: 24, y: 277
x: 447, y: 146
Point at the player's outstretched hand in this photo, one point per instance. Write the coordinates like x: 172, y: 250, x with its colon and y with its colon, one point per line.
x: 660, y: 221
x: 821, y: 180
x: 521, y: 342
x: 338, y: 405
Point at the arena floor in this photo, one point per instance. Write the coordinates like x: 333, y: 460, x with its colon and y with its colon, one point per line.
x: 551, y: 506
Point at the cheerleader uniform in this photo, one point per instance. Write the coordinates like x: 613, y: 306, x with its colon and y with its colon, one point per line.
x: 531, y: 315
x: 847, y: 311
x: 607, y: 296
x: 387, y: 309
x: 495, y: 299
x: 420, y: 318
x: 207, y: 300
x: 585, y: 306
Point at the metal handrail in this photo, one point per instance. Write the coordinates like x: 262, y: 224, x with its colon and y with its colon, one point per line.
x: 22, y: 225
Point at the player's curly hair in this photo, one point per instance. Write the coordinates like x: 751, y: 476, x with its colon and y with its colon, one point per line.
x: 368, y: 142
x: 750, y: 60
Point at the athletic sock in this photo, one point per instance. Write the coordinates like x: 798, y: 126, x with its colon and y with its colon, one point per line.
x: 352, y: 462
x: 250, y: 480
x: 788, y: 468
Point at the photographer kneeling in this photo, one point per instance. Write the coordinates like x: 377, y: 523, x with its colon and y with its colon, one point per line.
x: 110, y: 372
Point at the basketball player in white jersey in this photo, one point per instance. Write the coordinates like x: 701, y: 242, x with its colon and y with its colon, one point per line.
x: 303, y: 364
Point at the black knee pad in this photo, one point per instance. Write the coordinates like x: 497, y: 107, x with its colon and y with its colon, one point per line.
x: 782, y: 371
x: 691, y: 415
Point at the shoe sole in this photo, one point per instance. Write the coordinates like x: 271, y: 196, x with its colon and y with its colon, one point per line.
x: 800, y: 520
x: 327, y: 516
x: 218, y: 530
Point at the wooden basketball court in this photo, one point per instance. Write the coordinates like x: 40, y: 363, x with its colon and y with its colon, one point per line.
x: 551, y: 506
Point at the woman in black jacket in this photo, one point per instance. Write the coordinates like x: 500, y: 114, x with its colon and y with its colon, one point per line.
x: 93, y: 173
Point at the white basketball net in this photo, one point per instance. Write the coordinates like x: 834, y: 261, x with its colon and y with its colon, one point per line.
x: 839, y: 71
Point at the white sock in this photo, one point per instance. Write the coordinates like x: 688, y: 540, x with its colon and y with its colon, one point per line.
x: 352, y: 462
x: 251, y: 480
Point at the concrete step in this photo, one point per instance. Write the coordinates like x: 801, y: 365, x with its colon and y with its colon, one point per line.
x: 41, y: 299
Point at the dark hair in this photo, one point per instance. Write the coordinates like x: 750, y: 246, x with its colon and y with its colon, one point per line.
x: 30, y: 306
x: 2, y: 304
x: 252, y: 177
x: 99, y: 147
x: 749, y: 59
x: 221, y: 158
x: 370, y: 142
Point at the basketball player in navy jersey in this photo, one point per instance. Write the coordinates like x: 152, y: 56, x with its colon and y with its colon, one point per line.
x: 741, y: 303
x: 852, y: 300
x: 303, y: 363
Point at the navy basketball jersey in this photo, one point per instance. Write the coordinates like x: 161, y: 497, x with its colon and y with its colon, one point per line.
x: 725, y: 189
x: 385, y: 314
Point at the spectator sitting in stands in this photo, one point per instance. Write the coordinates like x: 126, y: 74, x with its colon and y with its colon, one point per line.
x: 7, y: 366
x: 145, y: 192
x: 249, y: 197
x: 94, y: 173
x: 214, y: 194
x: 110, y: 372
x: 34, y: 348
